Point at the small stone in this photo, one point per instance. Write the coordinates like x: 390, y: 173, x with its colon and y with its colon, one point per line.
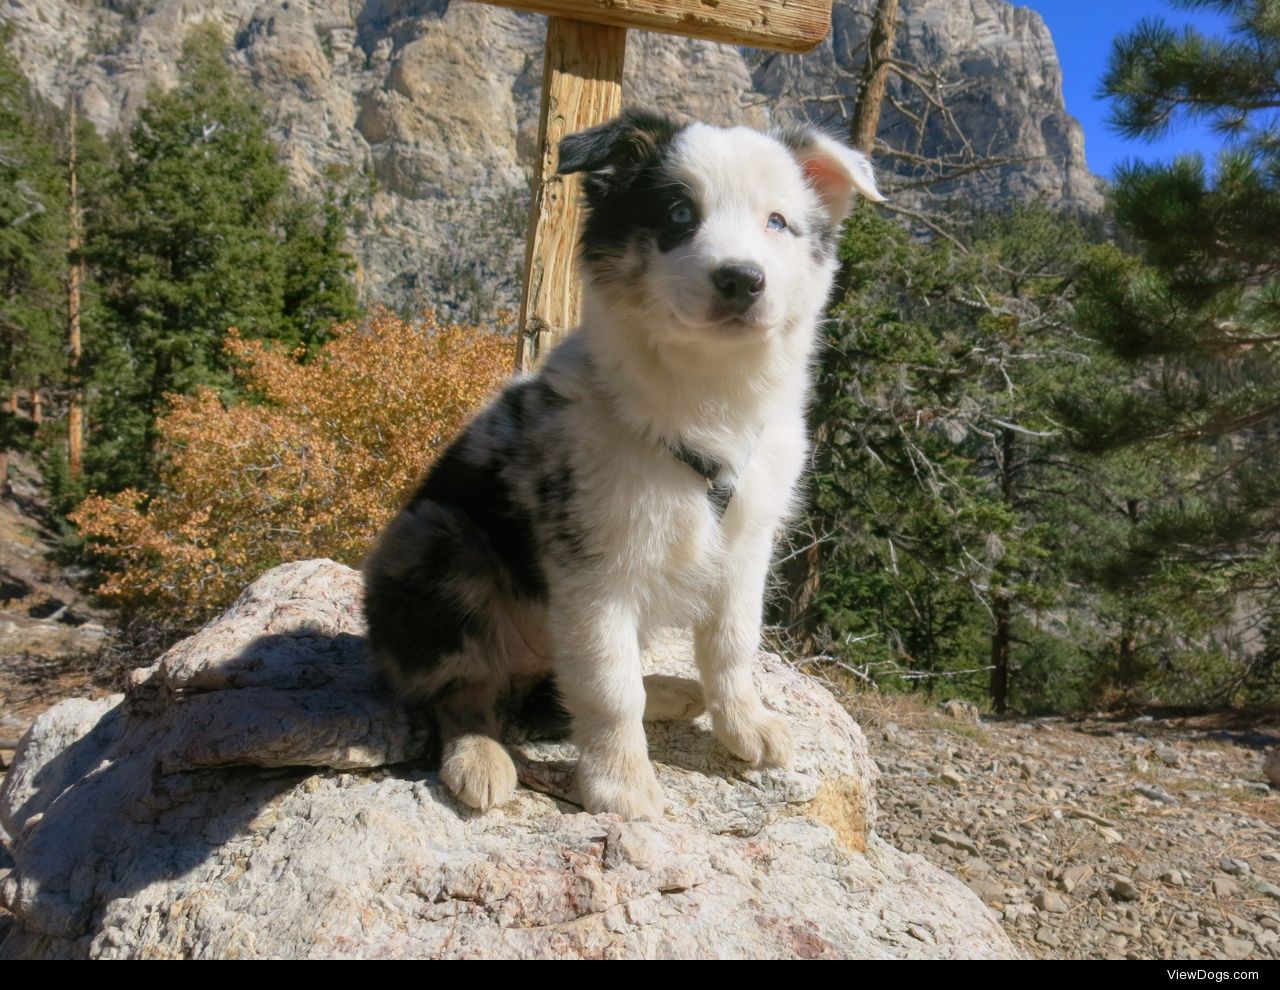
x: 1047, y: 936
x: 1124, y: 889
x: 1006, y: 841
x: 954, y: 840
x: 1235, y: 867
x: 1238, y: 948
x: 1222, y: 887
x: 1073, y: 876
x: 1052, y: 902
x: 1170, y: 756
x: 960, y: 710
x: 1156, y: 794
x: 1268, y: 890
x: 1271, y: 767
x: 1173, y: 878
x: 951, y: 777
x: 991, y: 893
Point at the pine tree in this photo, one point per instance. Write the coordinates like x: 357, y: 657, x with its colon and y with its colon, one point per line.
x: 201, y: 235
x: 1197, y: 316
x: 930, y: 498
x: 32, y: 250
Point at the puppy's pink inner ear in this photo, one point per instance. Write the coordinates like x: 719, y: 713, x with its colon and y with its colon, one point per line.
x: 830, y: 180
x: 836, y: 174
x: 819, y: 171
x: 832, y: 184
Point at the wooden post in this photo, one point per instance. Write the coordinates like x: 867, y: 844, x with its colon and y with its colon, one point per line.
x: 75, y: 413
x: 581, y: 87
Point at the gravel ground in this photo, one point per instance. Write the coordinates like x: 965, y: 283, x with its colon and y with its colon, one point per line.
x: 1142, y: 839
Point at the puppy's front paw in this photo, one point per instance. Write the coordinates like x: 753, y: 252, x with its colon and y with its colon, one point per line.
x: 625, y: 786
x: 478, y: 771
x: 754, y: 734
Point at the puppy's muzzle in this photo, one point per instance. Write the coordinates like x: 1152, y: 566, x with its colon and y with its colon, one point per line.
x: 738, y: 285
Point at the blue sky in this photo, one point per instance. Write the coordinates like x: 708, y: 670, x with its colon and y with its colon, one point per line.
x: 1082, y: 31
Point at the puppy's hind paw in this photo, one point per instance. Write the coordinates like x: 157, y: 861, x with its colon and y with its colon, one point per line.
x: 479, y: 772
x: 754, y: 734
x: 672, y: 699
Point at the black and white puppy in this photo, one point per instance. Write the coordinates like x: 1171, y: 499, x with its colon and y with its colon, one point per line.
x: 639, y: 479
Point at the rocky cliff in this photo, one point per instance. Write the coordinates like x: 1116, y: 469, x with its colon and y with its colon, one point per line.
x: 425, y: 111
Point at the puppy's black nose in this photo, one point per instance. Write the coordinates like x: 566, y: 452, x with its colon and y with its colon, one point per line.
x: 739, y: 285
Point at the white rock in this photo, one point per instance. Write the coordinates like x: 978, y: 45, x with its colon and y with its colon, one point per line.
x: 253, y: 795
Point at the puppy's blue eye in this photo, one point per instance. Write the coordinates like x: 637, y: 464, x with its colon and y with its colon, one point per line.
x: 681, y: 214
x: 777, y: 221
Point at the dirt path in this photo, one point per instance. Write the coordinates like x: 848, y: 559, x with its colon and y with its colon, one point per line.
x: 1092, y: 839
x: 47, y: 624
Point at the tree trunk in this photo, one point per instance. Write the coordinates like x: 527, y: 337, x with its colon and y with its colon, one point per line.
x: 874, y: 76
x: 37, y: 407
x: 1000, y: 655
x: 1127, y: 667
x: 75, y: 273
x: 1002, y: 606
x: 9, y: 404
x: 801, y: 576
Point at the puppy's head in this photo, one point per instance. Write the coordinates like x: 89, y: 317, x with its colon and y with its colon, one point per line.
x: 717, y: 233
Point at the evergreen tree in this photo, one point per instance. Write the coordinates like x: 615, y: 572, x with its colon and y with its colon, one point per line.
x: 1197, y: 316
x: 32, y: 249
x: 935, y: 389
x: 201, y: 235
x: 318, y: 288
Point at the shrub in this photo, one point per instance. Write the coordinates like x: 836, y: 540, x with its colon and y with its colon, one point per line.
x: 313, y: 466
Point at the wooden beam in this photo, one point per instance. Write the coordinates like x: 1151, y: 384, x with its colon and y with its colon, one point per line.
x: 581, y: 87
x: 777, y: 25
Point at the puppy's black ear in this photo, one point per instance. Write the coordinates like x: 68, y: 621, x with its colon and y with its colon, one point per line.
x: 613, y: 151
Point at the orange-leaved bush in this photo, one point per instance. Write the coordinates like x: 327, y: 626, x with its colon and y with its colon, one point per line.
x: 313, y: 466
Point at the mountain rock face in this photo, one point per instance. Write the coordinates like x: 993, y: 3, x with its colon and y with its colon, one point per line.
x: 424, y: 112
x: 998, y: 74
x: 255, y: 794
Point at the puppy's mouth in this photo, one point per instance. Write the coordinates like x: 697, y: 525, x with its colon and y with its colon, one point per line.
x: 736, y: 322
x: 723, y: 320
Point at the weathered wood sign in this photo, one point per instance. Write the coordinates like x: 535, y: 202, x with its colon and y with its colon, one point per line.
x: 582, y: 87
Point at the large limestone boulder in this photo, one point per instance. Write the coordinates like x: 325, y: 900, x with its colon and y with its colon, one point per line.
x: 255, y: 794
